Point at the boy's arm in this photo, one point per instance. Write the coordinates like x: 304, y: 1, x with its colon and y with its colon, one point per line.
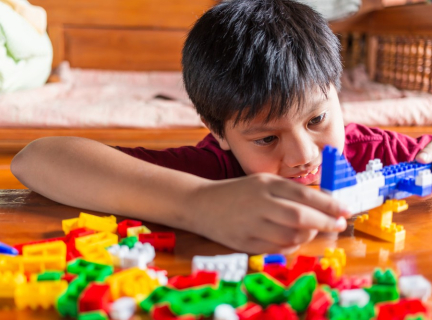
x: 258, y: 213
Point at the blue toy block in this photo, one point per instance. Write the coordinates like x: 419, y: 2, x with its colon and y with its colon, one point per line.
x: 5, y: 249
x: 408, y: 185
x: 337, y: 173
x: 275, y: 258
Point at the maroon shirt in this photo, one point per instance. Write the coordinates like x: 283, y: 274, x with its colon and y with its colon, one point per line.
x: 209, y: 161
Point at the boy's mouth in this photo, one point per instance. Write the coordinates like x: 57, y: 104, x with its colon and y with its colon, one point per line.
x: 308, y: 177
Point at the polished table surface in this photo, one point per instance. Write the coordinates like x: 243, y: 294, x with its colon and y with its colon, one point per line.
x: 27, y: 216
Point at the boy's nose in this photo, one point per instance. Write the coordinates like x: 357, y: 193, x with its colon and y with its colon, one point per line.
x: 301, y: 155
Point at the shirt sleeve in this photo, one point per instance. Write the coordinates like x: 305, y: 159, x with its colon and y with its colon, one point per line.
x: 206, y: 160
x: 363, y: 144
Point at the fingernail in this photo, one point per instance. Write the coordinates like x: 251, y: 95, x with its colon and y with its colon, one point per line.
x: 343, y: 208
x: 423, y: 156
x: 340, y: 224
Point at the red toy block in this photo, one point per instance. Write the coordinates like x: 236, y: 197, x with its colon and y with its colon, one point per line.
x: 348, y: 283
x: 77, y: 233
x: 279, y: 272
x: 95, y: 297
x: 321, y: 302
x: 21, y: 245
x: 250, y: 311
x: 69, y: 277
x: 126, y: 224
x: 161, y: 241
x: 399, y: 310
x: 164, y: 313
x: 279, y: 312
x: 199, y: 278
x: 301, y: 265
x: 325, y: 276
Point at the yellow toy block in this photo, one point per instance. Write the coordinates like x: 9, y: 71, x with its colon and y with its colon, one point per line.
x: 106, y: 224
x: 39, y: 294
x: 391, y: 233
x: 54, y: 248
x: 336, y: 253
x: 31, y: 264
x: 97, y: 254
x: 133, y: 282
x: 256, y: 263
x: 69, y: 224
x: 92, y: 247
x: 334, y: 263
x: 9, y: 281
x: 396, y: 205
x: 135, y: 231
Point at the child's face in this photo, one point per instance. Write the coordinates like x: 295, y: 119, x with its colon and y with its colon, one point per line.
x: 289, y: 146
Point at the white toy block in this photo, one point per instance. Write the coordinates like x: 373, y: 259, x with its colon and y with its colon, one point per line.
x: 415, y: 287
x: 424, y: 178
x: 231, y: 267
x: 374, y: 165
x: 138, y: 256
x: 368, y: 204
x: 225, y: 312
x: 123, y: 308
x: 160, y: 275
x: 355, y: 297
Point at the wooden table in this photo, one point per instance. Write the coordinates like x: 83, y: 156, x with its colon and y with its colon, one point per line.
x: 26, y: 216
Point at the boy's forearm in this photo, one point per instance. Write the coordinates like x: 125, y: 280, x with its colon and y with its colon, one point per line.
x: 90, y: 175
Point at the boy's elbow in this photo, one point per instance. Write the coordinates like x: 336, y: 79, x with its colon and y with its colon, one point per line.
x: 21, y: 161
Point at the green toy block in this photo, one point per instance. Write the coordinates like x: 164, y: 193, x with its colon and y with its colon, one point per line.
x: 90, y: 270
x: 232, y: 293
x: 299, y: 294
x: 337, y: 312
x: 67, y: 303
x: 129, y: 241
x: 198, y: 302
x: 333, y: 292
x: 50, y: 275
x: 382, y: 293
x: 93, y: 315
x: 387, y: 277
x: 159, y: 295
x: 263, y: 289
x: 415, y: 317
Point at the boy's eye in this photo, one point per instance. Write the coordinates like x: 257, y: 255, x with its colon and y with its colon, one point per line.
x: 265, y: 141
x: 318, y: 119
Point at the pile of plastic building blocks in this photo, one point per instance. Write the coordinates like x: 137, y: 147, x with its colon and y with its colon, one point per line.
x: 90, y: 274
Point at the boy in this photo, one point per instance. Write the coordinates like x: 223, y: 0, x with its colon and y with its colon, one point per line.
x: 263, y: 76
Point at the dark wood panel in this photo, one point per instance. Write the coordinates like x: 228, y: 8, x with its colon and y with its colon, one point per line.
x: 124, y: 49
x: 142, y: 13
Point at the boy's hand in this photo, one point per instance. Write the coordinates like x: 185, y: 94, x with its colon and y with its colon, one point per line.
x: 265, y: 213
x: 425, y: 156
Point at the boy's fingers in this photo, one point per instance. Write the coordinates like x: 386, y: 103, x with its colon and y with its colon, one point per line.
x: 282, y: 235
x: 424, y: 156
x: 295, y: 215
x: 310, y: 197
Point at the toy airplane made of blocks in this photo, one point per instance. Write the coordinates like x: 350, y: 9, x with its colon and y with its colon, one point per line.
x: 371, y: 188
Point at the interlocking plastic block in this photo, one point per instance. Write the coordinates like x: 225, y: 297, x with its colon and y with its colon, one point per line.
x: 232, y: 293
x: 161, y: 241
x: 101, y: 224
x: 32, y: 264
x: 199, y: 302
x: 424, y: 178
x: 125, y: 224
x: 138, y: 256
x: 279, y: 312
x: 392, y: 233
x: 54, y: 248
x: 415, y: 287
x: 337, y: 312
x: 374, y: 165
x: 230, y: 267
x: 69, y: 224
x: 129, y: 241
x: 401, y: 309
x: 349, y: 283
x: 95, y: 297
x: 336, y: 253
x: 122, y: 308
x: 355, y: 297
x: 48, y: 276
x: 325, y: 275
x: 90, y: 271
x: 225, y: 312
x: 38, y: 294
x: 67, y: 303
x: 299, y: 294
x: 256, y: 263
x: 9, y: 281
x: 164, y: 313
x: 250, y: 311
x: 263, y: 289
x: 72, y: 252
x: 274, y: 258
x: 301, y: 265
x: 158, y: 296
x: 198, y: 278
x: 68, y: 277
x: 21, y: 245
x: 319, y: 305
x: 382, y: 293
x: 278, y: 272
x: 337, y: 173
x: 92, y: 247
x: 132, y: 282
x: 387, y: 277
x: 409, y: 185
x: 332, y: 263
x: 93, y: 315
x: 5, y: 249
x: 136, y: 231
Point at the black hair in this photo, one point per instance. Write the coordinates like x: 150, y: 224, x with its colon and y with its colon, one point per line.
x: 243, y: 54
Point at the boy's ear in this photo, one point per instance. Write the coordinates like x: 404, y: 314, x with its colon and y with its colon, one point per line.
x: 223, y: 143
